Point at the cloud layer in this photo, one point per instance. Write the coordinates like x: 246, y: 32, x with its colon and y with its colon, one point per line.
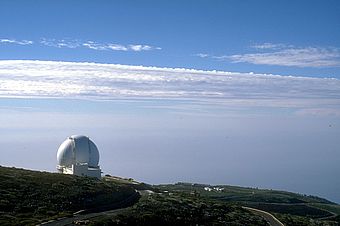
x: 284, y: 55
x: 46, y: 79
x: 75, y: 43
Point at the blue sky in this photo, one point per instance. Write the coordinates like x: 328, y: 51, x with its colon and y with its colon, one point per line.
x: 183, y: 31
x: 225, y: 92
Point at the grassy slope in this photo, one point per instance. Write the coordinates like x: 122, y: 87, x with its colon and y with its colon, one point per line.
x: 29, y: 197
x: 290, y: 208
x: 169, y: 209
x: 171, y: 204
x: 240, y: 194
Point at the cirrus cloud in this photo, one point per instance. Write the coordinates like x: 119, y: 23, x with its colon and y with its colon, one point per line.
x: 284, y: 55
x: 14, y: 41
x: 118, y: 47
x: 297, y: 57
x: 76, y: 43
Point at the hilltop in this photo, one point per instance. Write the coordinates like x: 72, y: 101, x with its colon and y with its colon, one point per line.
x: 30, y: 197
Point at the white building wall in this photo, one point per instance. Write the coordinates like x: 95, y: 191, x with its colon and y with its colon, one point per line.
x: 81, y: 170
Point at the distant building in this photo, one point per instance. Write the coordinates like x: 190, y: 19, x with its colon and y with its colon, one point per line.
x: 78, y: 155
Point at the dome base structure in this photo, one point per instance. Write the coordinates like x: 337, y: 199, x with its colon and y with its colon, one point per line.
x: 78, y: 155
x: 80, y: 170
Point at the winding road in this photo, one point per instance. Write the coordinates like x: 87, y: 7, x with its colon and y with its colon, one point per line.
x: 273, y: 221
x: 75, y: 218
x: 83, y: 215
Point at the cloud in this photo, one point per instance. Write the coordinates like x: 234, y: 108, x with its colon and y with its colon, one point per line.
x: 18, y: 42
x: 74, y: 43
x: 202, y: 55
x: 60, y: 43
x: 50, y: 79
x: 285, y: 55
x: 268, y: 45
x: 142, y: 47
x: 118, y: 47
x: 97, y: 46
x: 297, y: 57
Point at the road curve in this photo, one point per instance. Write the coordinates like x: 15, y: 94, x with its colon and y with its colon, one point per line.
x: 273, y: 221
x: 71, y: 220
x: 85, y: 215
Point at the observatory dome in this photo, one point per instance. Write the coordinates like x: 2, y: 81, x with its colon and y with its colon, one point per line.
x: 78, y: 149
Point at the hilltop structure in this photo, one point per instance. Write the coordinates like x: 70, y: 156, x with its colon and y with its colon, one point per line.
x: 78, y: 155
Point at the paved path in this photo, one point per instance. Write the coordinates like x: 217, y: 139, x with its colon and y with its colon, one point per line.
x: 273, y: 221
x: 71, y: 220
x: 81, y: 215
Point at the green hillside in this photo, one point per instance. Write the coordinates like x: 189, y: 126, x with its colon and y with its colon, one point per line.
x: 290, y: 208
x: 201, y: 204
x: 30, y: 197
x: 240, y: 194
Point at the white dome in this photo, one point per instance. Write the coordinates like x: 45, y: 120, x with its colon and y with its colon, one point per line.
x: 78, y: 149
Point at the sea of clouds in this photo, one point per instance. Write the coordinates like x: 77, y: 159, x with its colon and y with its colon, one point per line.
x: 94, y: 81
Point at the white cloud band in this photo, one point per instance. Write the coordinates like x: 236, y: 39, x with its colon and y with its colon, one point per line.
x: 14, y: 41
x: 75, y: 43
x: 297, y: 57
x: 111, y: 81
x: 96, y: 45
x: 284, y: 55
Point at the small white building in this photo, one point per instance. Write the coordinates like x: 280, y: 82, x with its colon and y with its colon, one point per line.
x: 78, y: 155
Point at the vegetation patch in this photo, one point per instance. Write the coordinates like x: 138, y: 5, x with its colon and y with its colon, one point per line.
x: 29, y: 197
x: 180, y: 209
x: 297, y: 209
